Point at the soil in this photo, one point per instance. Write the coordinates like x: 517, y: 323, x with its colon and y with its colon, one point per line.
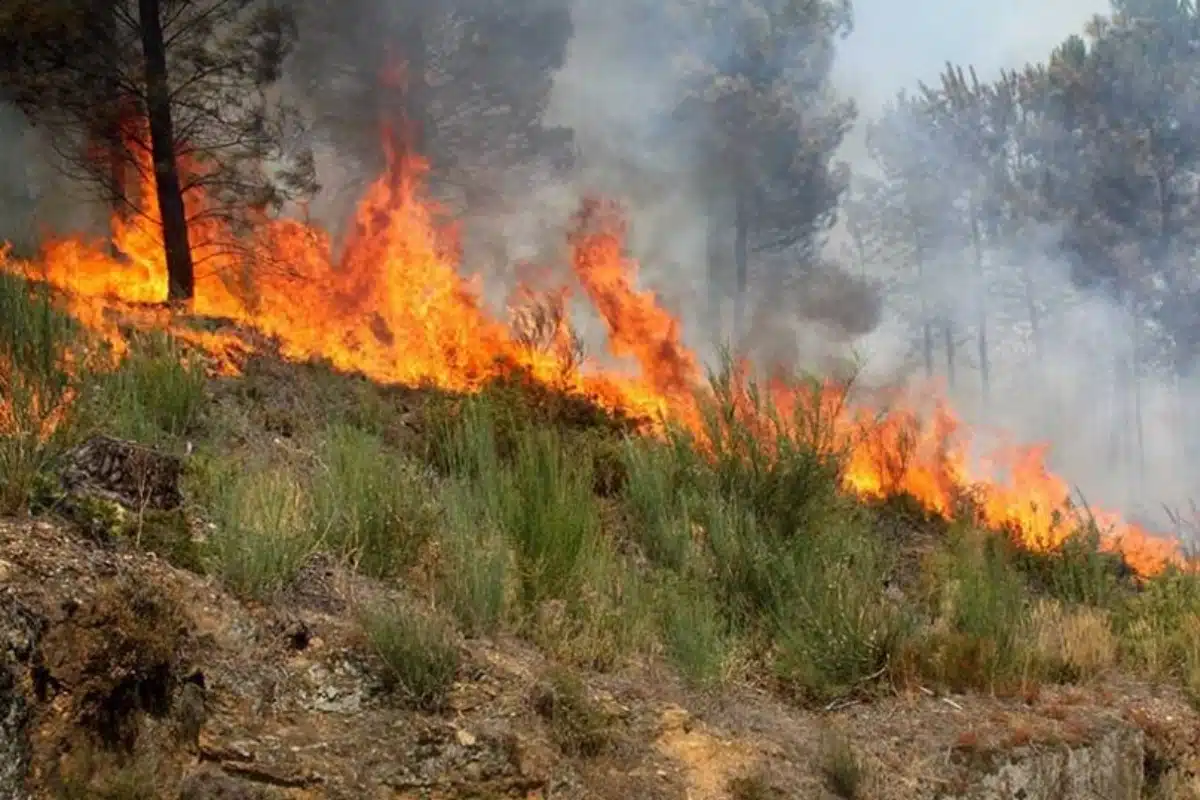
x: 115, y: 662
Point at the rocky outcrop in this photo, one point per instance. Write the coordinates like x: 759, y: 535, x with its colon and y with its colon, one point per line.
x: 14, y: 741
x: 1108, y: 767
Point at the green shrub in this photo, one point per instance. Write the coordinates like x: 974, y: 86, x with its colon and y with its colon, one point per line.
x: 1077, y: 571
x: 155, y: 395
x: 263, y: 525
x: 835, y: 631
x: 374, y: 506
x: 541, y: 500
x: 476, y: 573
x: 419, y: 655
x: 1159, y: 629
x: 695, y: 631
x: 979, y: 604
x: 654, y: 495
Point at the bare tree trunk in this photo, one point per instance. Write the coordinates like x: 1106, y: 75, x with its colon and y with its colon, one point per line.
x: 948, y: 337
x: 180, y: 269
x: 985, y: 376
x: 927, y: 322
x: 112, y: 141
x: 741, y: 222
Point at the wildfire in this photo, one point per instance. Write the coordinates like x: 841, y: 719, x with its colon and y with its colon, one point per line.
x: 394, y: 306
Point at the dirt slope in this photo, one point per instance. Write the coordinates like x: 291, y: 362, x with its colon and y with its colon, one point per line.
x: 118, y: 663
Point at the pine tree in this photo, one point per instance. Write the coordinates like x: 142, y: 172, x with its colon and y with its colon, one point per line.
x: 197, y: 73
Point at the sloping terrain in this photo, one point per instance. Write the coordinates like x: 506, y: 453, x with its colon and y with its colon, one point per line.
x: 143, y: 659
x: 159, y: 683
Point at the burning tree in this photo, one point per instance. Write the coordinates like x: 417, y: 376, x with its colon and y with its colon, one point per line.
x: 183, y: 89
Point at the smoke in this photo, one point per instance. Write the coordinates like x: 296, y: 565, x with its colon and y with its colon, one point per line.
x: 895, y: 45
x: 1069, y: 385
x: 619, y: 91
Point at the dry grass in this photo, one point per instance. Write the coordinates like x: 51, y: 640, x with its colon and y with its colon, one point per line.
x: 1072, y: 643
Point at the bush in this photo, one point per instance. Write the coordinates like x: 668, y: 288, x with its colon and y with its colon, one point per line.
x: 842, y: 772
x: 1076, y: 571
x: 263, y: 523
x: 1159, y: 629
x: 374, y: 506
x: 39, y: 349
x: 541, y: 501
x: 577, y: 725
x: 1071, y: 643
x: 695, y: 631
x: 654, y: 495
x: 835, y: 629
x: 476, y: 572
x: 154, y: 396
x: 606, y: 617
x: 419, y: 655
x: 785, y: 470
x: 979, y: 603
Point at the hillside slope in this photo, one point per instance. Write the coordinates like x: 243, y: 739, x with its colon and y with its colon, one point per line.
x: 292, y: 582
x: 121, y: 650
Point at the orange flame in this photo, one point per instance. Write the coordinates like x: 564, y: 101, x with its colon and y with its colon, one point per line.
x: 394, y: 306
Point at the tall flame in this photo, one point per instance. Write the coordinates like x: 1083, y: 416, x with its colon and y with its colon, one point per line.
x: 394, y: 306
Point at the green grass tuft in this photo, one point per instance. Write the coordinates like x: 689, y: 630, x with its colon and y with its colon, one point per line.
x: 419, y: 655
x: 263, y: 525
x: 375, y: 506
x: 155, y: 396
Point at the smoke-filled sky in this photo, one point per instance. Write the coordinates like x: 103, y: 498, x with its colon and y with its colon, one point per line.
x: 895, y: 44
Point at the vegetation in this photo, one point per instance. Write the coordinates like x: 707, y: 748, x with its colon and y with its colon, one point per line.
x: 732, y: 554
x: 35, y: 342
x: 171, y: 95
x: 739, y: 559
x: 420, y: 657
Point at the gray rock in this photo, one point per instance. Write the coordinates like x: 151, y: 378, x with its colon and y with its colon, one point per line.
x: 1109, y: 767
x: 208, y: 783
x: 14, y: 741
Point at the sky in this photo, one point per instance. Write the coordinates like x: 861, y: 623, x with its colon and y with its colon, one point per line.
x: 896, y: 43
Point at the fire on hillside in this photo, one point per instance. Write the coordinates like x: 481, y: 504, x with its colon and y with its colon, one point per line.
x: 393, y: 305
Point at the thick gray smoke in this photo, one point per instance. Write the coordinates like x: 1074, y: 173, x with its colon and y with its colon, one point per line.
x: 618, y: 92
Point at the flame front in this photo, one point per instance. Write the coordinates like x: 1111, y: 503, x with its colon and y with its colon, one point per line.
x: 394, y: 306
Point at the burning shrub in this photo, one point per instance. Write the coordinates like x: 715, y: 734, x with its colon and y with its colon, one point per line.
x: 39, y: 347
x: 540, y: 324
